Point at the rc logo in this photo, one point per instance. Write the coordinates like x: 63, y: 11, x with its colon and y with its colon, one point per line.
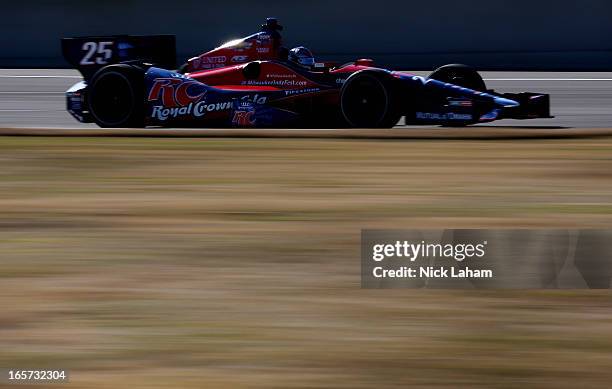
x: 244, y: 113
x: 243, y: 119
x: 176, y: 92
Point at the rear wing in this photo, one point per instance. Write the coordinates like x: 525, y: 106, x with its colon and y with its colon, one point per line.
x: 89, y: 54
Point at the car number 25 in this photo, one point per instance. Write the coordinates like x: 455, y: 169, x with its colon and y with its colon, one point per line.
x: 97, y: 53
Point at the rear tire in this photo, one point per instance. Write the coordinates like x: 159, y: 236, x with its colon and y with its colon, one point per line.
x: 368, y: 99
x: 116, y: 96
x: 462, y: 75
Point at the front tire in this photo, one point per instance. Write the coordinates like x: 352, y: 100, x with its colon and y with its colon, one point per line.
x: 116, y: 96
x: 368, y: 99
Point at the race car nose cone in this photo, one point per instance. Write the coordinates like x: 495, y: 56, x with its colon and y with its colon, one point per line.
x: 506, y: 103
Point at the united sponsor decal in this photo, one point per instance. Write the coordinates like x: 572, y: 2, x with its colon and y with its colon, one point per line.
x: 209, y: 62
x: 217, y: 59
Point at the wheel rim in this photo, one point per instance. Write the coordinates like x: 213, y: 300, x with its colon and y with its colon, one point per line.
x: 112, y: 101
x: 365, y: 102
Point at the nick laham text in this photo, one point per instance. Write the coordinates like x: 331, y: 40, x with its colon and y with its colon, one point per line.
x: 431, y: 272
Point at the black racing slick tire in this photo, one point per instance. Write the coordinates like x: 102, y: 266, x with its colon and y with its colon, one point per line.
x: 462, y: 75
x: 116, y: 96
x: 369, y: 99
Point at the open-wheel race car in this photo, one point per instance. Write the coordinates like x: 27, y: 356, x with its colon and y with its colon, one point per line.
x: 256, y: 82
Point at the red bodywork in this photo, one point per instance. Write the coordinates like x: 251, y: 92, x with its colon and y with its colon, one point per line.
x: 259, y: 62
x: 224, y: 67
x: 261, y: 46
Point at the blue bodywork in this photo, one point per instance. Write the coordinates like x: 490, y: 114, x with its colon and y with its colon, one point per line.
x: 459, y: 104
x: 172, y: 98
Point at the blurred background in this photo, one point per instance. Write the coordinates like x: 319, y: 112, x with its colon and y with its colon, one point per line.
x: 502, y: 34
x: 235, y: 263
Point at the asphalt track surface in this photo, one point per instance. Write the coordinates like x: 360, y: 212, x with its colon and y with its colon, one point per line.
x: 34, y: 98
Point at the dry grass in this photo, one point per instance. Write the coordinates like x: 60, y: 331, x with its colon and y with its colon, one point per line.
x: 203, y: 263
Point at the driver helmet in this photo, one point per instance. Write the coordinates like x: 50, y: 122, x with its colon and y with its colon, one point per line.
x: 301, y: 56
